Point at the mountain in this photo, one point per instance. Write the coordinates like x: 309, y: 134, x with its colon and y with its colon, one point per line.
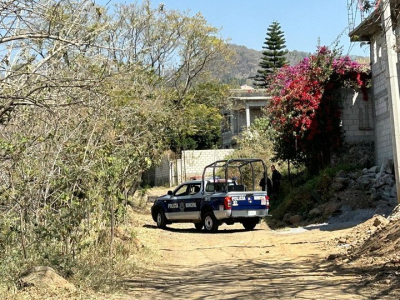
x: 245, y: 64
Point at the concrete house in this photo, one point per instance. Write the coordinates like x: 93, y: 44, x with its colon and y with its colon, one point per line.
x: 381, y: 29
x: 246, y: 105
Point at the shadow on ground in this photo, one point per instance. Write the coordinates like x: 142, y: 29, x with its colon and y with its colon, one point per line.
x: 193, y: 230
x: 249, y: 279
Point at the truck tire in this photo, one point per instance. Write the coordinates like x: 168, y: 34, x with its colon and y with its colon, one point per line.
x: 250, y: 224
x: 210, y: 222
x: 161, y: 219
x: 199, y: 226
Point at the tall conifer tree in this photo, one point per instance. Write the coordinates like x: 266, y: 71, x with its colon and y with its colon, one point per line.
x: 273, y: 55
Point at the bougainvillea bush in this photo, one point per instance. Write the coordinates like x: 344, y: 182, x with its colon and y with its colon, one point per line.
x: 305, y: 109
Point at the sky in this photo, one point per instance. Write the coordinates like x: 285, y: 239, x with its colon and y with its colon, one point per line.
x: 306, y: 24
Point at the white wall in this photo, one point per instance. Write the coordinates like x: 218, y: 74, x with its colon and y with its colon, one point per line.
x: 380, y: 86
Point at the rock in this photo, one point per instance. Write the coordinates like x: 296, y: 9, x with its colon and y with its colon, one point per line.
x: 44, y: 277
x: 388, y: 178
x: 332, y: 256
x: 374, y: 169
x: 365, y: 171
x: 341, y: 180
x: 331, y: 208
x: 315, y: 212
x: 378, y: 220
x: 286, y: 217
x: 387, y: 191
x: 355, y: 175
x: 393, y: 191
x: 364, y: 182
x: 379, y: 183
x: 386, y: 166
x: 341, y: 174
x: 393, y: 201
x: 295, y: 219
x: 337, y: 186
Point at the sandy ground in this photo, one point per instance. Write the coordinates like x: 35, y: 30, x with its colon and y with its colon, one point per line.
x: 259, y: 264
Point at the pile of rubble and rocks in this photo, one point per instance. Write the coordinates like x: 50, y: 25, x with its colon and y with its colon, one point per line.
x: 357, y: 196
x: 372, y: 190
x: 373, y: 249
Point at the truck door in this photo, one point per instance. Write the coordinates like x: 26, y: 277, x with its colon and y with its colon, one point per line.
x: 176, y: 206
x: 192, y: 204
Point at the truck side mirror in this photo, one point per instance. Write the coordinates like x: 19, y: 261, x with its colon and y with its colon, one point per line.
x: 169, y: 193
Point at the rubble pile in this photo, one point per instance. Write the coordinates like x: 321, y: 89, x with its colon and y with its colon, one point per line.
x: 373, y: 247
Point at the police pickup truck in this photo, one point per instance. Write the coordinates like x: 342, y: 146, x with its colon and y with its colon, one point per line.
x: 215, y: 199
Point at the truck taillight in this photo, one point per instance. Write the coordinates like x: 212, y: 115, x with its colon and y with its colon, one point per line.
x: 265, y: 201
x: 228, y: 202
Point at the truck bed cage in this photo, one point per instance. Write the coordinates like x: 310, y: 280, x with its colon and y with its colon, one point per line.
x: 235, y: 164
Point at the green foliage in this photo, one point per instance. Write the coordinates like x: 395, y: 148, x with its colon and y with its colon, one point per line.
x: 273, y: 56
x: 99, y: 101
x: 197, y: 123
x: 256, y: 142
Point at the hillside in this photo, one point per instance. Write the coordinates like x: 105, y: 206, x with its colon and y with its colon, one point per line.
x: 245, y: 64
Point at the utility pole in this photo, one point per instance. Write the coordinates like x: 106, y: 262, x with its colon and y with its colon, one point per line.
x: 394, y: 99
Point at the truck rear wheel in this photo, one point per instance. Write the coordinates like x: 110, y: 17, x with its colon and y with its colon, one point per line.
x: 161, y: 220
x: 250, y: 224
x: 210, y: 222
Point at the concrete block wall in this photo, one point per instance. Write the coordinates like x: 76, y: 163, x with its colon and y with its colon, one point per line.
x: 194, y: 161
x: 162, y: 172
x: 357, y: 117
x: 380, y: 94
x: 172, y: 172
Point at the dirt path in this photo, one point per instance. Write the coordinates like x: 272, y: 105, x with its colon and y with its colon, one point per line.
x: 238, y: 264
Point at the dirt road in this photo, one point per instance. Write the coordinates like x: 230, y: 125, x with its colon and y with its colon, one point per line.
x: 238, y: 264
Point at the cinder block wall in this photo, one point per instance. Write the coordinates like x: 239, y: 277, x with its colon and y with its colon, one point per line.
x: 380, y: 86
x: 357, y: 117
x: 162, y: 172
x: 194, y: 161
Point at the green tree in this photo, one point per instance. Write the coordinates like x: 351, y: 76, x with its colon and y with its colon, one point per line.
x: 90, y: 100
x: 273, y: 57
x: 198, y: 125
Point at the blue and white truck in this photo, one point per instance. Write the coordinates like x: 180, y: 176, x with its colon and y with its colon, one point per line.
x: 227, y: 193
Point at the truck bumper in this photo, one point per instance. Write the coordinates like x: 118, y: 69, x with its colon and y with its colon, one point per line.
x: 250, y: 213
x: 233, y: 214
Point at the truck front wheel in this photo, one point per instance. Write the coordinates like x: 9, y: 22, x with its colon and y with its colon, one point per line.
x: 250, y: 224
x: 210, y: 222
x: 161, y: 220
